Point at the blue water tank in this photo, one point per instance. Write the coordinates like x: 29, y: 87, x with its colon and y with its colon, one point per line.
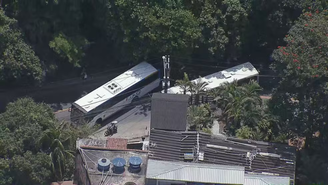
x: 135, y: 164
x: 118, y: 164
x: 103, y: 164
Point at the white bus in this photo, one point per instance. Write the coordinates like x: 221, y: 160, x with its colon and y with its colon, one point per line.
x: 115, y: 94
x: 239, y: 72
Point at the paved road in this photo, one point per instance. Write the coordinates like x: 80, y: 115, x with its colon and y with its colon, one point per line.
x: 60, y: 95
x: 131, y: 124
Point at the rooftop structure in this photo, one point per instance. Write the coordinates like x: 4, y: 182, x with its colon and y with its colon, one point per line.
x: 239, y: 72
x: 257, y: 157
x: 111, y: 143
x: 117, y: 143
x: 95, y: 165
x: 194, y: 172
x: 266, y: 180
x: 114, y: 87
x: 169, y: 111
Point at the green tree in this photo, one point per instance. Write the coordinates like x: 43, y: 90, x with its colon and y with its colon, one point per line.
x: 53, y: 143
x: 185, y: 83
x: 240, y: 105
x: 299, y: 100
x: 301, y: 66
x: 20, y: 128
x: 69, y: 49
x: 149, y: 28
x: 34, y: 147
x: 52, y: 25
x: 18, y: 63
x: 24, y: 120
x: 30, y: 168
x: 222, y: 25
x: 197, y: 89
x: 199, y: 117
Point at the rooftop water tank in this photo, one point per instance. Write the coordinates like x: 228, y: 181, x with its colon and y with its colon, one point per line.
x: 118, y: 164
x: 103, y: 164
x: 135, y: 164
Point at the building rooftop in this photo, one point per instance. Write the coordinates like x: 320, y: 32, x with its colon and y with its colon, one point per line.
x: 169, y: 111
x: 92, y: 143
x: 265, y: 180
x: 256, y: 157
x: 195, y: 172
x: 117, y: 143
x: 90, y: 158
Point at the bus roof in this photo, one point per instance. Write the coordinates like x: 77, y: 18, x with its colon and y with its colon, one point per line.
x: 114, y: 87
x: 239, y: 72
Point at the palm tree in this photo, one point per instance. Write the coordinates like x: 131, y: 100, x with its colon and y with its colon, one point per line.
x: 197, y: 88
x: 53, y: 143
x: 185, y: 83
x: 240, y: 105
x: 199, y: 117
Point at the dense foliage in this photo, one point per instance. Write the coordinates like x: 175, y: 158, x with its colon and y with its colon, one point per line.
x: 34, y: 148
x: 68, y: 34
x: 300, y: 100
x: 18, y: 63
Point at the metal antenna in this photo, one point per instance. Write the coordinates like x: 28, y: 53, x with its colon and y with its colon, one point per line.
x: 251, y: 156
x: 166, y: 78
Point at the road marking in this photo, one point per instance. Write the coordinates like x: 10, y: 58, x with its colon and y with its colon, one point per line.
x: 63, y: 110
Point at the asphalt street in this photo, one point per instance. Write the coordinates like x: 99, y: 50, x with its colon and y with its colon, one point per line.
x: 58, y: 95
x: 132, y: 124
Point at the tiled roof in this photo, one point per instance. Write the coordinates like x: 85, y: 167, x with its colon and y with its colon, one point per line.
x: 117, y: 143
x: 268, y: 158
x: 169, y: 111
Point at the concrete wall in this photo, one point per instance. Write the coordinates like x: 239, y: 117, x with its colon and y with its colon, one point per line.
x: 80, y: 173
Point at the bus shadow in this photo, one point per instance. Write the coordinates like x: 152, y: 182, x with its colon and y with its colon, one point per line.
x: 115, y: 116
x: 144, y: 110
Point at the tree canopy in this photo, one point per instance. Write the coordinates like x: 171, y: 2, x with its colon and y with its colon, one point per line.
x: 299, y: 101
x: 67, y: 35
x: 18, y: 62
x: 34, y: 147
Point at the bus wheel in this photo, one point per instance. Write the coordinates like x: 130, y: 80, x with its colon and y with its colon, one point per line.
x: 99, y: 121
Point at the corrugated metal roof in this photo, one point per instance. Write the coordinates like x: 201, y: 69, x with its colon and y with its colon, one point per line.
x: 171, y: 146
x: 195, y: 172
x: 266, y: 180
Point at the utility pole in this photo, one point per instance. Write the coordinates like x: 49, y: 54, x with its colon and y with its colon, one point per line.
x: 166, y: 78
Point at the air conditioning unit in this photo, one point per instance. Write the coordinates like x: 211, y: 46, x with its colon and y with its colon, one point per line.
x: 188, y: 156
x: 201, y: 156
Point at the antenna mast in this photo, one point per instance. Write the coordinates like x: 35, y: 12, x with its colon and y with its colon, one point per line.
x: 166, y: 78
